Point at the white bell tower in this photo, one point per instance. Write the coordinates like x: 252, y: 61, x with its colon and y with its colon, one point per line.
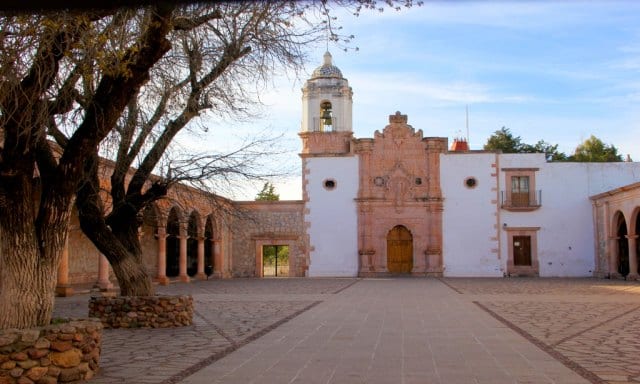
x: 329, y: 174
x: 327, y: 100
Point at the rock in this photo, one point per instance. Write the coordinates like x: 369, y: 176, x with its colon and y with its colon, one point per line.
x: 7, y: 365
x: 27, y: 364
x: 29, y: 336
x: 42, y: 343
x: 7, y: 337
x: 37, y: 353
x: 19, y: 356
x: 69, y: 374
x: 61, y: 346
x: 16, y: 372
x: 47, y: 380
x: 24, y: 380
x: 66, y: 359
x: 36, y: 373
x: 53, y: 371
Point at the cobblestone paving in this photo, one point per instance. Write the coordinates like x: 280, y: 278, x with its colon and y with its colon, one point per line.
x: 592, y: 326
x: 228, y: 314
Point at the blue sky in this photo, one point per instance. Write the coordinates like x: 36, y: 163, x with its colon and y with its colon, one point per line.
x: 558, y: 71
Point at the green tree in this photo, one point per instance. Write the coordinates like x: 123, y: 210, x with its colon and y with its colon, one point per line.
x: 595, y: 150
x: 550, y: 150
x: 503, y: 140
x: 268, y: 193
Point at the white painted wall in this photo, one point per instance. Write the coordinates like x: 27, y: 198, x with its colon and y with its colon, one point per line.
x: 332, y: 216
x: 470, y: 240
x: 565, y: 238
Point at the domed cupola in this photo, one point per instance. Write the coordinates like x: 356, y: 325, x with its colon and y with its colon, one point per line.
x: 326, y: 100
x: 327, y: 69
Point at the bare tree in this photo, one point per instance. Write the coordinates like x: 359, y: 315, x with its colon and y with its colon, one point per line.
x: 41, y: 60
x: 132, y: 78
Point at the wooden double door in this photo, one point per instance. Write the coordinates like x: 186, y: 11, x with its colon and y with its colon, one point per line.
x: 399, y: 250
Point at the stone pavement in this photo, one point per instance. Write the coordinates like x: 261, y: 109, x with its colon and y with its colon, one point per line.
x: 394, y: 330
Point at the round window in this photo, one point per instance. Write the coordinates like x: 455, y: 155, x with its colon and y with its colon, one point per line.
x: 329, y: 184
x: 470, y: 182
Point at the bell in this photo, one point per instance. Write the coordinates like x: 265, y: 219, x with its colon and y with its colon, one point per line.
x: 326, y: 117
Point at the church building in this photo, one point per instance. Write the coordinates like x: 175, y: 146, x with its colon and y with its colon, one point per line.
x: 400, y: 203
x: 403, y: 203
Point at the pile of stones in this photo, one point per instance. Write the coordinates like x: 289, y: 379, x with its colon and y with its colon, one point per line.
x: 142, y: 311
x: 66, y: 351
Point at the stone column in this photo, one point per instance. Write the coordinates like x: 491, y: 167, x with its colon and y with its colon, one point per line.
x: 183, y: 259
x: 613, y: 255
x: 217, y: 260
x: 103, y: 282
x: 633, y: 257
x: 201, y: 275
x: 161, y: 275
x: 63, y: 288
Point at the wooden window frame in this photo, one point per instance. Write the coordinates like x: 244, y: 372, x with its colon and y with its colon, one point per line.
x: 509, y: 173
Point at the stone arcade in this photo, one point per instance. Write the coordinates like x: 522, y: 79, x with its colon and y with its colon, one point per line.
x: 400, y: 203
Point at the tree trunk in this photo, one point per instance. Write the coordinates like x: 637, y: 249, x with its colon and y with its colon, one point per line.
x: 118, y: 240
x: 29, y: 255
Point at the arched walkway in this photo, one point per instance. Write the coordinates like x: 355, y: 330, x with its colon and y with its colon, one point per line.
x: 209, y: 260
x: 622, y: 248
x: 173, y: 243
x: 192, y: 244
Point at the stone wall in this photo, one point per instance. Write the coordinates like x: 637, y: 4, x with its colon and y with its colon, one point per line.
x: 267, y: 222
x: 57, y: 353
x: 142, y: 311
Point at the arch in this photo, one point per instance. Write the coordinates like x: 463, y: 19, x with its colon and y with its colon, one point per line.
x: 209, y: 259
x: 192, y: 243
x: 622, y: 246
x: 173, y: 243
x: 399, y: 250
x: 635, y: 220
x: 635, y: 231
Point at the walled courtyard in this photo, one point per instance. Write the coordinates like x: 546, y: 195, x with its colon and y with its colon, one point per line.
x: 450, y: 330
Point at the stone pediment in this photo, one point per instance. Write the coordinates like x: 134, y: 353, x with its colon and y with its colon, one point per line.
x: 398, y: 129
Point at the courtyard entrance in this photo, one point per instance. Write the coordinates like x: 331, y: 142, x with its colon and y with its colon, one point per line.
x: 399, y: 250
x: 275, y: 260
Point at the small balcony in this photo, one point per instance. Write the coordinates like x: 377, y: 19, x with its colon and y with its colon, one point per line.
x: 527, y: 201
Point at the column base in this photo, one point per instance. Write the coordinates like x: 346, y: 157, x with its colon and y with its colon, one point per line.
x: 103, y: 285
x: 64, y: 291
x: 616, y: 276
x: 632, y: 277
x: 201, y: 276
x: 164, y: 280
x: 185, y: 279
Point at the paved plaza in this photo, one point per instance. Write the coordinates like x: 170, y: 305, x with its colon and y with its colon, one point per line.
x: 395, y: 330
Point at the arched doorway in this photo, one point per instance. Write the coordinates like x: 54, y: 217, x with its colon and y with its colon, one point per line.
x: 192, y: 245
x: 623, y: 244
x: 636, y: 232
x: 399, y: 250
x: 209, y: 261
x: 173, y: 244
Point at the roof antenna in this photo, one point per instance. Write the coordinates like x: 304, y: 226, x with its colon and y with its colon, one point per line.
x: 467, y: 122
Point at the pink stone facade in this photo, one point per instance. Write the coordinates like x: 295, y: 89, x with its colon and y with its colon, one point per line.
x: 400, y: 186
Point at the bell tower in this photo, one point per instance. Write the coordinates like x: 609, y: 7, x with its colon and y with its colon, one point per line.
x: 326, y: 111
x: 329, y: 174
